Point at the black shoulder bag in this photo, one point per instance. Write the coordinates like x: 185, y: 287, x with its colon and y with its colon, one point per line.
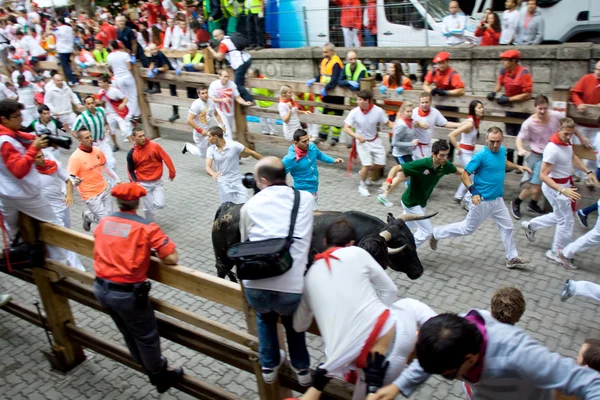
x: 265, y: 258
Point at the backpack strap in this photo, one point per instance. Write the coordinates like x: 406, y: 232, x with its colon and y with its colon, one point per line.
x: 294, y: 214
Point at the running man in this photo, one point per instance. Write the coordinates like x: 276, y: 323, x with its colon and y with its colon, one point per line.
x: 200, y: 114
x: 427, y: 117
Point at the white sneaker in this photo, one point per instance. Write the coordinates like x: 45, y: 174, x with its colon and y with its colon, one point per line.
x: 552, y: 255
x: 369, y: 182
x: 384, y: 200
x: 529, y: 233
x: 5, y: 298
x: 304, y: 377
x: 363, y: 191
x: 270, y: 374
x: 566, y: 262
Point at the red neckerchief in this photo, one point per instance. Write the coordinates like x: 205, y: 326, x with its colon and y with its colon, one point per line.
x: 48, y: 168
x: 408, y: 122
x: 327, y: 255
x: 368, y: 109
x: 475, y: 122
x: 474, y: 374
x: 25, y: 83
x: 556, y: 140
x: 85, y: 149
x: 22, y: 137
x: 299, y: 152
x: 423, y: 113
x: 290, y: 101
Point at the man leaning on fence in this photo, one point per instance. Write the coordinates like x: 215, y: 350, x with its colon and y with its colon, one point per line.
x: 121, y: 260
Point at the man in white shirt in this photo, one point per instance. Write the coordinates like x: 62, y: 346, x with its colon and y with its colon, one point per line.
x: 509, y: 22
x: 31, y: 46
x: 64, y: 47
x: 368, y: 144
x: 201, y: 112
x: 116, y: 106
x: 6, y: 93
x: 454, y: 25
x: 265, y: 216
x: 170, y: 8
x: 240, y: 61
x: 558, y: 161
x: 119, y: 61
x: 26, y: 92
x: 61, y: 99
x: 426, y: 118
x: 223, y: 92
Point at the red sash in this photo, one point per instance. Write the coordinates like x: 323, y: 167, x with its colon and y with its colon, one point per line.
x: 114, y: 103
x: 569, y: 180
x: 468, y: 147
x: 361, y: 361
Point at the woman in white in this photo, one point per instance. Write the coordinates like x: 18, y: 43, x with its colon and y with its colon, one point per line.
x: 119, y: 61
x: 57, y: 188
x: 288, y: 110
x: 223, y: 92
x: 469, y: 132
x: 222, y: 164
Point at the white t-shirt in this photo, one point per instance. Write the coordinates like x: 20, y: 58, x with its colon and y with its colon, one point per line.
x: 31, y: 46
x: 233, y: 56
x: 562, y: 159
x: 117, y: 61
x: 203, y: 112
x: 6, y: 93
x: 266, y: 216
x: 27, y: 95
x: 469, y: 138
x: 509, y: 23
x: 26, y: 73
x: 54, y: 188
x: 293, y: 124
x: 64, y: 39
x: 114, y: 94
x: 366, y: 124
x: 346, y: 300
x: 434, y: 118
x: 230, y: 91
x: 227, y: 162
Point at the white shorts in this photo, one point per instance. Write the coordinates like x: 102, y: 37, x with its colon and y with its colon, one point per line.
x: 422, y: 150
x: 118, y: 123
x: 371, y: 153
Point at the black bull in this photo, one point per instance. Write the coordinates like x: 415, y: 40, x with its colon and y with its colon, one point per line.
x: 402, y: 252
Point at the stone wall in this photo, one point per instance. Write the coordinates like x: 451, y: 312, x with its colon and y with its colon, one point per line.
x: 555, y: 66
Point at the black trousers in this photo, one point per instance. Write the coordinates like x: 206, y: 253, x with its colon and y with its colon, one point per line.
x: 255, y: 29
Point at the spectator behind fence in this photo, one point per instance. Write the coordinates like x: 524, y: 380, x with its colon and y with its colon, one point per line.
x: 530, y: 29
x: 489, y: 31
x: 351, y: 21
x: 64, y: 46
x: 267, y: 125
x: 454, y: 25
x: 255, y: 32
x: 370, y: 24
x: 160, y: 63
x: 510, y: 20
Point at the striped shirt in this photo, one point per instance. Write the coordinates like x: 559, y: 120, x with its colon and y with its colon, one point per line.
x: 94, y: 123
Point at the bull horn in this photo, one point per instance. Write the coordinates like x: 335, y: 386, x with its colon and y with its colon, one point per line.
x: 386, y: 235
x: 416, y: 217
x: 397, y: 250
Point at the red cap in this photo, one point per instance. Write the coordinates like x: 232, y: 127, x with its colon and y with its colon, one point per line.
x: 511, y: 54
x: 441, y: 56
x: 34, y: 5
x: 128, y: 191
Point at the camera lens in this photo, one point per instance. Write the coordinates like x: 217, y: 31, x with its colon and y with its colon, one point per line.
x: 248, y: 181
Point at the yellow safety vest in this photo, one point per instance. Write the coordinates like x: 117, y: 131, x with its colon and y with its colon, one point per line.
x: 263, y: 92
x: 359, y: 69
x: 187, y: 58
x: 228, y: 9
x: 252, y: 6
x: 327, y: 68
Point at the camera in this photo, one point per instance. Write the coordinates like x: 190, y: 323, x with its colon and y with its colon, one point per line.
x: 56, y: 140
x: 249, y: 182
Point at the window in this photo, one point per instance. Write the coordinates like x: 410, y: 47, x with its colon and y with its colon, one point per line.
x: 402, y: 12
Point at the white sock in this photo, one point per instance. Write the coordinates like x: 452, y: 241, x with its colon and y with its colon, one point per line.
x: 362, y: 184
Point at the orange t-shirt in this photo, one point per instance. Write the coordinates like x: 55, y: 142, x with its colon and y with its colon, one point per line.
x: 406, y: 84
x: 88, y: 167
x: 448, y: 79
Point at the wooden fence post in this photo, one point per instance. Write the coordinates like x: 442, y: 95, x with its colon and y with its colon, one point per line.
x: 65, y: 354
x: 241, y: 126
x: 209, y: 62
x: 150, y: 130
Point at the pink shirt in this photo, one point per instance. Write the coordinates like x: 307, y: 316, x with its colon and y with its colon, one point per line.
x: 538, y: 135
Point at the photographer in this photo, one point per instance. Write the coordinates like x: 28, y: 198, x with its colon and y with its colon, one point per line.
x: 46, y: 125
x: 267, y: 216
x: 20, y: 187
x: 121, y: 261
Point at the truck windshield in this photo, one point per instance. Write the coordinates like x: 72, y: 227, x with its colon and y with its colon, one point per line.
x: 438, y: 9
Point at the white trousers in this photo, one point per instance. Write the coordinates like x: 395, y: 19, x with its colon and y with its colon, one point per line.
x: 67, y: 119
x: 201, y: 146
x: 232, y: 191
x: 424, y: 227
x: 36, y: 207
x: 590, y: 133
x: 462, y: 192
x: 123, y: 125
x: 421, y: 151
x: 495, y: 209
x: 228, y: 124
x: 350, y: 37
x: 155, y: 197
x: 106, y: 148
x: 267, y: 125
x: 586, y: 289
x: 64, y: 219
x: 585, y: 242
x: 98, y: 206
x: 127, y: 86
x: 29, y: 115
x: 561, y: 217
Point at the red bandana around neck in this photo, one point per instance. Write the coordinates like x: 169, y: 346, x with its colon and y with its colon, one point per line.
x: 368, y: 109
x: 408, y: 122
x: 423, y: 113
x: 290, y: 101
x: 556, y: 140
x: 326, y: 255
x: 475, y: 121
x: 48, y: 168
x: 85, y: 149
x: 299, y: 152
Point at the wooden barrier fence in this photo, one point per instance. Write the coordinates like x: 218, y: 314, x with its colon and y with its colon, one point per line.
x: 57, y: 283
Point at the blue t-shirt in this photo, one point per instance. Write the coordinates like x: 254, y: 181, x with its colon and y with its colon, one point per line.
x: 489, y: 170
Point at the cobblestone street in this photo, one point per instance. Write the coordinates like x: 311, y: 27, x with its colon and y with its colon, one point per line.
x: 461, y: 274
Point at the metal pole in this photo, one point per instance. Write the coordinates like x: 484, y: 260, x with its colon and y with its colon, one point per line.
x: 306, y: 38
x: 426, y: 24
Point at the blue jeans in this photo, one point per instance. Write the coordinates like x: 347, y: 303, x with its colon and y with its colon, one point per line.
x: 269, y: 306
x: 65, y: 63
x: 239, y: 77
x: 369, y: 38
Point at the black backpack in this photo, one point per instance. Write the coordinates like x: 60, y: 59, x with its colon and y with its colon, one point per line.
x: 239, y: 41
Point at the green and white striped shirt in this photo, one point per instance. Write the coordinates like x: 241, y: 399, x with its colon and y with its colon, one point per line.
x: 94, y: 123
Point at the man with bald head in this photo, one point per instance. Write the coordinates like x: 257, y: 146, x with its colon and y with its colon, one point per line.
x: 60, y: 99
x: 354, y: 71
x: 454, y: 25
x: 266, y: 216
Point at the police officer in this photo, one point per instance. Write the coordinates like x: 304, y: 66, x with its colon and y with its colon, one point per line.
x: 329, y: 75
x: 518, y: 86
x: 447, y: 82
x: 121, y: 261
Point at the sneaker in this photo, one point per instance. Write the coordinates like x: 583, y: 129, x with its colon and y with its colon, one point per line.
x: 270, y: 374
x: 333, y: 142
x: 582, y: 218
x: 529, y: 233
x: 115, y: 148
x: 384, y: 200
x: 517, y: 262
x: 515, y: 209
x: 457, y: 200
x: 433, y: 242
x: 87, y: 224
x: 369, y: 182
x: 173, y: 117
x: 568, y: 264
x: 533, y: 207
x: 4, y: 299
x: 363, y: 191
x: 466, y: 205
x: 552, y: 255
x: 171, y: 378
x: 304, y: 378
x: 184, y: 150
x: 566, y: 291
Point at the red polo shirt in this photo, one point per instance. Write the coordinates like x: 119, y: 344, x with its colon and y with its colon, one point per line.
x: 516, y: 82
x: 448, y: 79
x: 586, y: 91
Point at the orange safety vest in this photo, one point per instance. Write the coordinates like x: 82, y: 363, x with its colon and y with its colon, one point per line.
x: 327, y: 68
